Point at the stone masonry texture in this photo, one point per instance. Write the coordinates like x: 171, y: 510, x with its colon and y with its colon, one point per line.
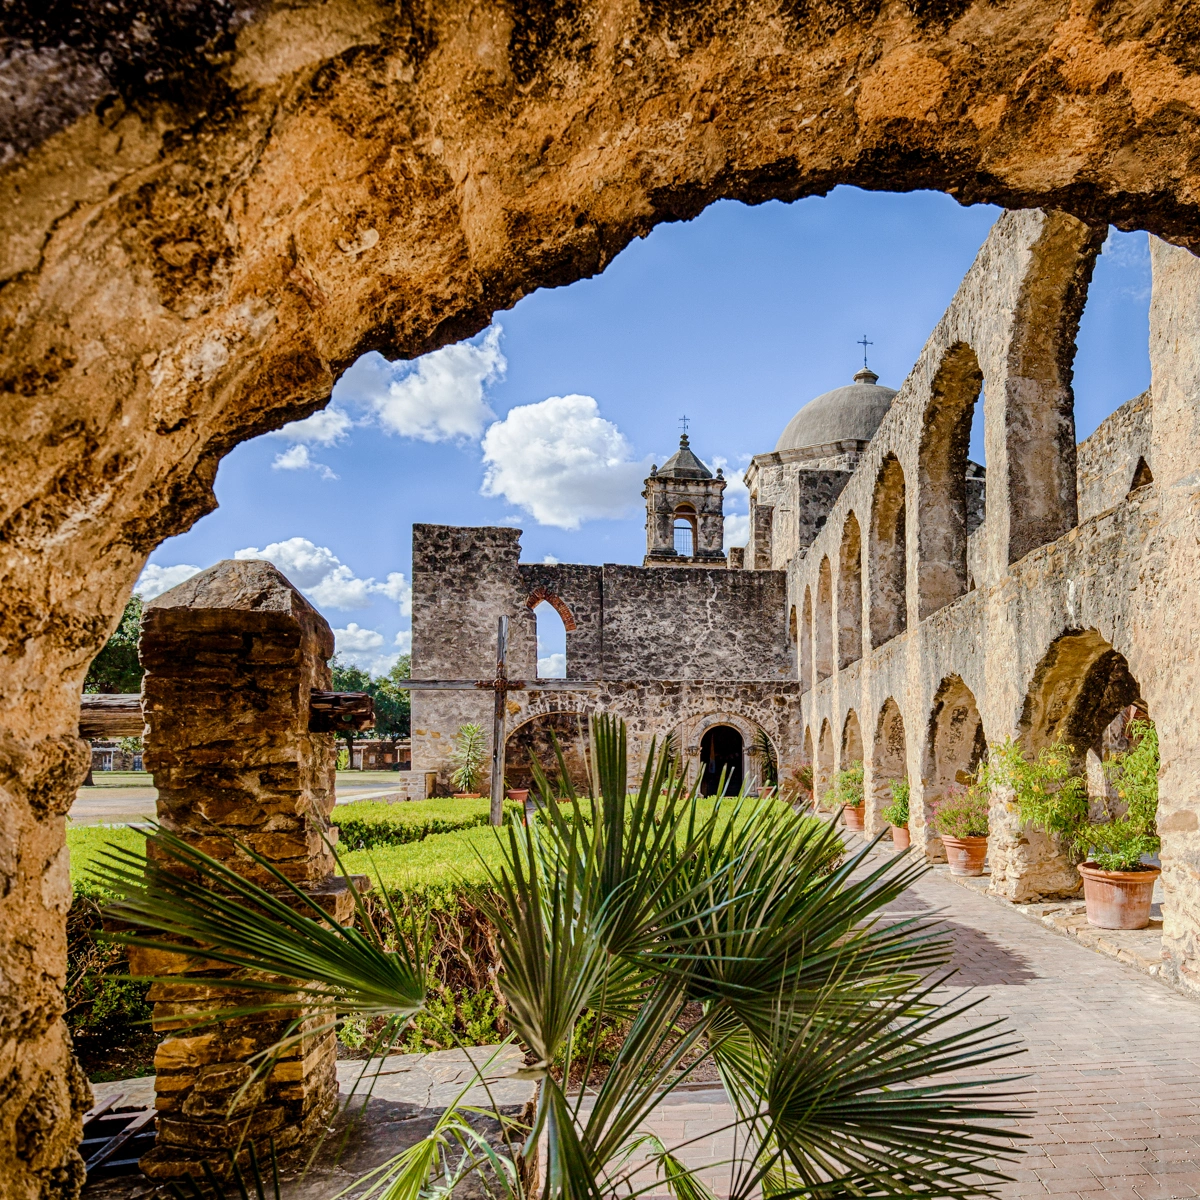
x: 231, y: 657
x: 212, y: 210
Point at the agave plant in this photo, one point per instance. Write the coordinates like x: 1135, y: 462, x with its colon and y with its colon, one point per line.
x: 732, y: 934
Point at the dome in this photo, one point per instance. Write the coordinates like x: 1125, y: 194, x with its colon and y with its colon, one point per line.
x: 847, y: 414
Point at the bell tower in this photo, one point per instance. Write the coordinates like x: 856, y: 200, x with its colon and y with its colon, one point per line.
x: 685, y: 520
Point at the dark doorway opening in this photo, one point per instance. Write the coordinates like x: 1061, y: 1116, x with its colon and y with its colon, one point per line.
x: 721, y: 752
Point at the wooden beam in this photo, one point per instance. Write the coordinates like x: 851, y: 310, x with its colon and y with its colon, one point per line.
x: 120, y: 715
x: 488, y: 685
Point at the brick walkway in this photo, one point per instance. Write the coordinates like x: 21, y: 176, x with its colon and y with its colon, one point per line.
x: 1113, y: 1061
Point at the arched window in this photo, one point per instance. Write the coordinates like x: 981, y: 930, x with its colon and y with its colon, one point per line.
x: 554, y: 622
x: 685, y: 532
x: 849, y: 596
x: 887, y: 564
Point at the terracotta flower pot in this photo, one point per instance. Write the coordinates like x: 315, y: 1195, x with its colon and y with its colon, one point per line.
x: 467, y: 796
x: 520, y: 795
x: 852, y: 818
x: 965, y: 855
x: 900, y: 838
x: 1118, y: 899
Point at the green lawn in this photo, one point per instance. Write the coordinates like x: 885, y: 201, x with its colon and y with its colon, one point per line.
x: 122, y: 779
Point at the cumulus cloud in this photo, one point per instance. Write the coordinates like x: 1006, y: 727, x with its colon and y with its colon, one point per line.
x: 736, y: 489
x: 326, y: 580
x: 354, y: 637
x: 550, y: 560
x: 363, y: 648
x: 323, y: 428
x: 155, y: 580
x: 737, y: 529
x: 403, y: 641
x: 553, y: 666
x: 296, y: 458
x: 561, y: 462
x: 436, y: 398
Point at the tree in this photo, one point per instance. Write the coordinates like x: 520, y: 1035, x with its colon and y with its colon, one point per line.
x: 393, y: 710
x: 733, y: 935
x: 116, y: 668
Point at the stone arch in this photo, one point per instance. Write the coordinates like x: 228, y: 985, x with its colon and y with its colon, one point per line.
x: 542, y: 595
x: 849, y: 593
x: 887, y: 564
x: 685, y: 535
x: 1039, y: 402
x: 942, y: 480
x: 823, y: 766
x: 534, y: 738
x: 852, y: 740
x: 955, y: 745
x: 808, y: 745
x: 889, y: 759
x: 806, y: 642
x: 823, y: 622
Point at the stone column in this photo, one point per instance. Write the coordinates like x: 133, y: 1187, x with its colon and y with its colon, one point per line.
x: 231, y: 658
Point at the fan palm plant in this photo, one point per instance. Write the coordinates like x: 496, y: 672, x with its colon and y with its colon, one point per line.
x: 726, y: 937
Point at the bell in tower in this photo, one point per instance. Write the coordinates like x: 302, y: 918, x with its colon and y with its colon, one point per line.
x: 685, y: 521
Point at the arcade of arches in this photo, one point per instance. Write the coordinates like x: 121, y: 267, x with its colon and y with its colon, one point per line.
x: 386, y: 178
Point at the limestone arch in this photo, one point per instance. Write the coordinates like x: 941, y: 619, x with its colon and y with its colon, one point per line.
x: 955, y: 745
x: 823, y: 766
x: 543, y: 595
x: 887, y: 561
x: 889, y: 759
x: 852, y: 740
x: 942, y: 480
x: 806, y: 642
x: 849, y: 594
x: 823, y: 622
x: 533, y: 739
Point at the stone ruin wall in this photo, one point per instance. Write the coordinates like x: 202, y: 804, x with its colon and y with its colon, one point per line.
x: 1118, y: 574
x: 383, y: 178
x: 643, y: 624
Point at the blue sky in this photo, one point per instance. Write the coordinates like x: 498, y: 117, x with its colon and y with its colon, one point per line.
x: 548, y: 420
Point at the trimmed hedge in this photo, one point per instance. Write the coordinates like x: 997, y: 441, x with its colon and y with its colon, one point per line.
x: 363, y: 825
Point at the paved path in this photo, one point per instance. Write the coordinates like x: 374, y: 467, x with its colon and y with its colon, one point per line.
x: 1113, y: 1061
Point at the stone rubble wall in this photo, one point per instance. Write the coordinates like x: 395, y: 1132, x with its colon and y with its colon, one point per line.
x: 1107, y: 461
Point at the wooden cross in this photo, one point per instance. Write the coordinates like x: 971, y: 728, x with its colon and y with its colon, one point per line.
x: 501, y: 685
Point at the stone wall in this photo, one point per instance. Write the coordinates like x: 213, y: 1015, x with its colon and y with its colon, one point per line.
x: 1108, y: 460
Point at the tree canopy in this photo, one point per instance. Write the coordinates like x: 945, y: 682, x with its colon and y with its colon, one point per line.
x: 392, y: 707
x: 116, y: 668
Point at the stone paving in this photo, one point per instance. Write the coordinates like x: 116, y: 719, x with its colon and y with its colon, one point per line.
x: 1113, y: 1061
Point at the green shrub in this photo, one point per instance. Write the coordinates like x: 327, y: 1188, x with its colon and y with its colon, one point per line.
x: 847, y: 787
x: 963, y: 813
x: 896, y: 813
x: 363, y: 824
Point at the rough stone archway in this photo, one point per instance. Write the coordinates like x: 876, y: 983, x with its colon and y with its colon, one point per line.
x: 210, y: 211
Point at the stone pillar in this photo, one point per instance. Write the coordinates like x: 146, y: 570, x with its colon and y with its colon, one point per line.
x: 231, y: 658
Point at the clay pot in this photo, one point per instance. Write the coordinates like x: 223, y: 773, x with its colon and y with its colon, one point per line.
x: 852, y: 818
x: 965, y: 855
x: 900, y: 838
x: 1118, y: 899
x: 520, y: 795
x: 467, y: 796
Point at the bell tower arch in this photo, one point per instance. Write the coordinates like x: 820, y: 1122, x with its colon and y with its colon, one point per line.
x: 685, y: 518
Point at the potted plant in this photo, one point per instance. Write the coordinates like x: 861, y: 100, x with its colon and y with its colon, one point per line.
x: 962, y: 822
x: 896, y: 814
x: 468, y: 757
x: 1118, y: 886
x: 847, y: 793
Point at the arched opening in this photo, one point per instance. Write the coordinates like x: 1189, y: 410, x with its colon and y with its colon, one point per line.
x: 1142, y: 475
x: 823, y: 622
x: 942, y: 507
x: 686, y: 533
x: 889, y: 759
x: 954, y: 748
x: 721, y: 750
x: 887, y: 563
x: 806, y: 644
x: 850, y: 594
x: 808, y: 745
x: 534, y: 742
x: 852, y: 742
x: 551, y: 641
x: 823, y: 775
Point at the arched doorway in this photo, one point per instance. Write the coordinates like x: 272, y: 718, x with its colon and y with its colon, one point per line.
x: 954, y: 748
x: 889, y: 759
x: 721, y: 752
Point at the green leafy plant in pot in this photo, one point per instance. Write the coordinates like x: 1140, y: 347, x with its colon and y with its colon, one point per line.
x: 896, y: 814
x: 962, y: 822
x: 468, y: 755
x: 846, y: 793
x: 1052, y: 796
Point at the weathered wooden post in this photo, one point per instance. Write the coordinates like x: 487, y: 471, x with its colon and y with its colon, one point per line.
x: 232, y: 657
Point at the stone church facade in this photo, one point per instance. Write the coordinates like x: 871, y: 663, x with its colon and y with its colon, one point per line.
x: 888, y: 606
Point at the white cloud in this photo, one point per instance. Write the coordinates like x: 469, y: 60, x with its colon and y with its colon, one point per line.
x: 562, y: 462
x: 550, y: 560
x: 553, y: 666
x: 323, y: 428
x: 296, y: 458
x: 155, y: 580
x: 354, y: 637
x: 403, y: 641
x: 737, y: 529
x: 325, y: 579
x: 1130, y: 253
x: 437, y: 397
x: 735, y: 489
